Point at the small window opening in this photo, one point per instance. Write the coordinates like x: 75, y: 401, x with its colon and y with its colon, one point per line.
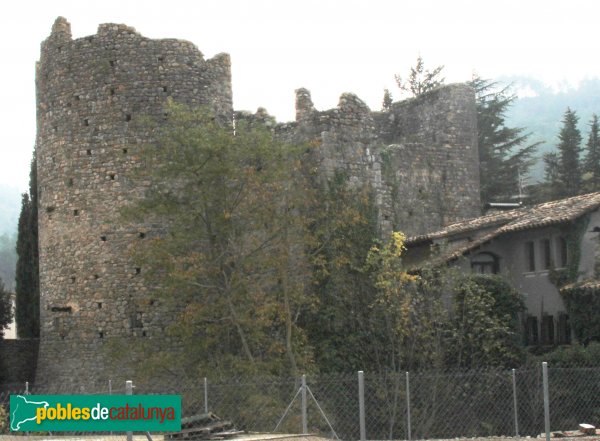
x: 142, y: 235
x: 70, y: 182
x: 89, y: 152
x: 101, y: 334
x: 86, y: 122
x: 124, y: 151
x: 50, y: 209
x: 112, y: 63
x: 530, y: 256
x: 96, y: 276
x: 75, y: 212
x: 55, y: 129
x: 112, y: 91
x: 138, y: 270
x: 143, y: 333
x: 128, y: 117
x: 77, y: 97
x: 72, y: 279
x: 164, y: 88
x: 61, y: 309
x: 112, y: 176
x: 103, y: 238
x: 99, y: 305
x: 160, y: 59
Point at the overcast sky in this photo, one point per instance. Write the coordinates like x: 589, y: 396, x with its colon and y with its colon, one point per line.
x: 329, y: 47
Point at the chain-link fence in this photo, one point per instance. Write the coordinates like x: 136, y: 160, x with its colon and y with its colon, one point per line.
x: 420, y: 405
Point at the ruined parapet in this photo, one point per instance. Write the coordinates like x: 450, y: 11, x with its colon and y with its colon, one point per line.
x: 90, y: 91
x: 420, y: 159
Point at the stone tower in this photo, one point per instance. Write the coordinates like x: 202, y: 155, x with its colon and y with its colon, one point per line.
x: 419, y: 158
x: 88, y: 92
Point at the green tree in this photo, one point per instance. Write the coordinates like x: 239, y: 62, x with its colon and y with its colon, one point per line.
x: 568, y: 168
x: 410, y: 313
x: 386, y: 104
x: 485, y: 330
x: 504, y: 157
x: 233, y: 252
x: 420, y: 80
x: 27, y: 285
x: 592, y: 160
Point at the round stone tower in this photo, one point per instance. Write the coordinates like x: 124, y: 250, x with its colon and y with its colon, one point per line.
x: 89, y: 92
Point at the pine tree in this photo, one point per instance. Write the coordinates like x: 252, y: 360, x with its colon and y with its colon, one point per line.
x: 27, y: 273
x: 569, y: 149
x: 386, y: 105
x: 592, y: 159
x: 503, y: 156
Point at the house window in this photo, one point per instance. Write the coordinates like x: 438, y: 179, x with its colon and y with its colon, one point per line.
x: 546, y: 254
x: 530, y: 255
x: 548, y: 330
x: 531, y: 331
x: 562, y: 252
x: 484, y: 263
x: 564, y: 329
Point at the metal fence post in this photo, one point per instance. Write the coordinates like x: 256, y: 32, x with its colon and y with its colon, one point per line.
x: 408, y: 428
x: 361, y: 405
x: 205, y: 395
x: 546, y: 400
x: 27, y: 388
x: 304, y: 412
x: 129, y: 391
x: 514, y: 385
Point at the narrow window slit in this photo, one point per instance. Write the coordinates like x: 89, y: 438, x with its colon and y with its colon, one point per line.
x: 128, y: 117
x: 103, y: 238
x: 89, y: 152
x: 75, y: 212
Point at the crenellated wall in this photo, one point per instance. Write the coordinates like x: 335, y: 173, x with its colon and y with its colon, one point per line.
x: 420, y: 158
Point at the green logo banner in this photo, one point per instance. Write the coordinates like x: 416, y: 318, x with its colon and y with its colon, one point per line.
x: 95, y: 413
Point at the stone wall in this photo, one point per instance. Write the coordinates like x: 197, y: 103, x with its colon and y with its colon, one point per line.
x: 420, y: 159
x: 18, y: 360
x: 89, y: 93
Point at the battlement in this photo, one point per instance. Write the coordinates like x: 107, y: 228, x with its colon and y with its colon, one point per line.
x: 419, y: 159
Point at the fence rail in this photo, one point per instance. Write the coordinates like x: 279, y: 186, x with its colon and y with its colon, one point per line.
x: 388, y: 406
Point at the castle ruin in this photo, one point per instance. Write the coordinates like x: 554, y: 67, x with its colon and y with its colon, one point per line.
x: 420, y: 158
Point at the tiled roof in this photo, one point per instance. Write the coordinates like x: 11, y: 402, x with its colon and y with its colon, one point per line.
x: 590, y: 284
x: 548, y: 213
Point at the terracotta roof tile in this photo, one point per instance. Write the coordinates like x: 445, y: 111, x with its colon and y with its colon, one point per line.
x: 548, y: 213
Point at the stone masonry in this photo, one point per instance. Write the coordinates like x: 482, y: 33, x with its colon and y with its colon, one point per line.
x: 420, y: 158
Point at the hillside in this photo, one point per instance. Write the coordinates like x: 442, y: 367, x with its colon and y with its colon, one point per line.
x: 540, y: 109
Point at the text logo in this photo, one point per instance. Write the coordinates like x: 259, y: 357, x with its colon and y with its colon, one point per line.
x: 81, y: 413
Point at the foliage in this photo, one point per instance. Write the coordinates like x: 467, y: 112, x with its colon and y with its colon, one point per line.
x: 592, y: 159
x: 485, y: 325
x: 233, y: 252
x: 386, y: 104
x: 573, y: 234
x: 504, y: 158
x: 342, y: 330
x: 411, y: 318
x: 575, y: 355
x: 565, y: 171
x: 27, y: 288
x: 420, y: 80
x: 583, y: 305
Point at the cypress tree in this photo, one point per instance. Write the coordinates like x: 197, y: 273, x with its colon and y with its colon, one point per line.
x: 27, y: 273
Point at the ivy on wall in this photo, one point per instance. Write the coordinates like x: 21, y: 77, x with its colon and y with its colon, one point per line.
x: 573, y: 235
